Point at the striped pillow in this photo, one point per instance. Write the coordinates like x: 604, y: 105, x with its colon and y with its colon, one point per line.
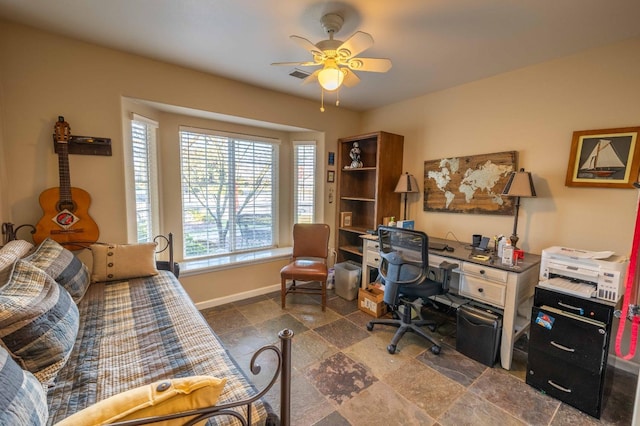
x: 22, y: 400
x: 38, y: 320
x: 13, y: 251
x: 62, y: 266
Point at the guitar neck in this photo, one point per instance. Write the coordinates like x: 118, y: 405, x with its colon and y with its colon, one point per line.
x: 63, y: 169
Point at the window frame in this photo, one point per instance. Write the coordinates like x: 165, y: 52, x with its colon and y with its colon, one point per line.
x: 296, y: 180
x: 152, y: 161
x: 233, y: 246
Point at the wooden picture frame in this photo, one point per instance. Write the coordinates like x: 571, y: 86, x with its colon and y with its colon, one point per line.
x: 604, y: 158
x: 345, y: 219
x: 331, y: 176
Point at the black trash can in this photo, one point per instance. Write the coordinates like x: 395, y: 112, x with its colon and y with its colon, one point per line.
x: 478, y: 334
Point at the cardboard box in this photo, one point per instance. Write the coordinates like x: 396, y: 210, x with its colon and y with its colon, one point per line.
x: 371, y: 301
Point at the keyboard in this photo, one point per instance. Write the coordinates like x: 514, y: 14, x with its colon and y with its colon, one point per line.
x: 565, y: 286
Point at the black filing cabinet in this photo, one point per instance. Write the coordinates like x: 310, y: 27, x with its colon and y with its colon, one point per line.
x: 568, y: 348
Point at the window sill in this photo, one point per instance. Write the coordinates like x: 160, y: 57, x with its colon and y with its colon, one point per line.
x: 237, y: 260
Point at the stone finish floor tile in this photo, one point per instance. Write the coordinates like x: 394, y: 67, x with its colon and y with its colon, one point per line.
x: 340, y: 378
x: 425, y: 387
x: 342, y: 333
x: 453, y: 364
x: 310, y: 348
x: 379, y: 404
x: 471, y: 410
x: 362, y: 384
x: 506, y: 391
x: 260, y: 311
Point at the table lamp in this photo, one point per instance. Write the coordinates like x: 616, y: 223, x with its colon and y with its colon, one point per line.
x: 520, y: 184
x: 406, y: 184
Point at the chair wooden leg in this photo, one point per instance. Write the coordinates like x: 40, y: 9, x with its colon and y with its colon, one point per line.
x: 283, y: 292
x: 323, y: 285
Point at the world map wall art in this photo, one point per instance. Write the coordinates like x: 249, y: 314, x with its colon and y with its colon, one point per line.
x: 470, y: 184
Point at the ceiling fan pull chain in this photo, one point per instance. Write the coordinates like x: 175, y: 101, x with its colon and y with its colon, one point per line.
x: 321, y: 99
x: 338, y: 97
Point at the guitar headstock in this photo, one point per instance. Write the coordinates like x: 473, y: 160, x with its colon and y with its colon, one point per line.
x: 63, y: 130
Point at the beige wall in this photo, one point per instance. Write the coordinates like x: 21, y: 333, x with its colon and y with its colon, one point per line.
x: 534, y: 111
x: 48, y: 75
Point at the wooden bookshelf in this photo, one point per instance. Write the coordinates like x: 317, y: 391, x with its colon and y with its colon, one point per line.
x: 367, y: 191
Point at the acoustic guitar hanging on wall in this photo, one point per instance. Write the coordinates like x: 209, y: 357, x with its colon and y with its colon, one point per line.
x: 66, y: 209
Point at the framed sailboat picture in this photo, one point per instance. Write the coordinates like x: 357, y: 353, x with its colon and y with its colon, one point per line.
x: 607, y: 158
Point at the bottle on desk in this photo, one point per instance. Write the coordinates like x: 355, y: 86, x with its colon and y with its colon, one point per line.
x: 507, y: 253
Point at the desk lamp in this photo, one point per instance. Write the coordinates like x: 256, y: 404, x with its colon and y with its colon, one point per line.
x: 406, y: 184
x: 520, y: 184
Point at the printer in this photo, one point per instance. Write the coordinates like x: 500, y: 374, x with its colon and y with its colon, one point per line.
x: 583, y: 273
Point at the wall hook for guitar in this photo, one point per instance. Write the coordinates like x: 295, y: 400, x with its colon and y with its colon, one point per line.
x: 66, y: 209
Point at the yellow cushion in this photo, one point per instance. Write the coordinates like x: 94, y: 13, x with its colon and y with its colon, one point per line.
x: 113, y: 262
x: 156, y: 399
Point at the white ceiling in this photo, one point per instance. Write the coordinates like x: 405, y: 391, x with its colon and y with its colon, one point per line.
x: 433, y: 44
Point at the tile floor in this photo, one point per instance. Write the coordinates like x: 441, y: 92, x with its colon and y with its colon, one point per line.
x: 342, y: 374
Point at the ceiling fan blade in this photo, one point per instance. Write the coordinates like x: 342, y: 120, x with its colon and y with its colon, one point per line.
x: 358, y: 42
x: 369, y: 64
x: 298, y: 64
x: 307, y: 45
x: 350, y: 78
x: 312, y: 78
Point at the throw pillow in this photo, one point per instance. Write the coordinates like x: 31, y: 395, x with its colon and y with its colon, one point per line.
x: 61, y: 265
x: 13, y: 251
x: 38, y: 320
x: 156, y: 399
x: 22, y: 400
x: 112, y: 262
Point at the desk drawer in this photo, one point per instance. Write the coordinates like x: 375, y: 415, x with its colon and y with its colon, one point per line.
x: 565, y: 381
x: 580, y: 342
x: 485, y: 272
x: 483, y: 290
x: 373, y: 253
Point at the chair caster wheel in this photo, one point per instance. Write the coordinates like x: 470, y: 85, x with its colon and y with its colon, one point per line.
x: 435, y: 349
x: 432, y: 327
x: 391, y: 349
x: 369, y: 326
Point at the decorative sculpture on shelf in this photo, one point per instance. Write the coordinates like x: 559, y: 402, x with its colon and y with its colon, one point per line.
x: 355, y: 156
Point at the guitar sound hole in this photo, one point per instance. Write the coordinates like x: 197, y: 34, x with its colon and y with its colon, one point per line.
x: 66, y: 205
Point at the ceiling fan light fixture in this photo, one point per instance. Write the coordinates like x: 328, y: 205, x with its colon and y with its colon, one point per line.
x: 331, y: 76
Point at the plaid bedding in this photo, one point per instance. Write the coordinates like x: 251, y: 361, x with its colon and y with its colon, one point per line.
x: 140, y: 331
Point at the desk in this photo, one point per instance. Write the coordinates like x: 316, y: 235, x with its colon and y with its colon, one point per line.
x: 508, y: 289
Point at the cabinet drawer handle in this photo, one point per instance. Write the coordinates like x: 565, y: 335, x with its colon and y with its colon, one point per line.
x: 564, y: 348
x: 480, y: 290
x: 575, y: 308
x: 482, y: 272
x: 558, y: 387
x: 376, y: 259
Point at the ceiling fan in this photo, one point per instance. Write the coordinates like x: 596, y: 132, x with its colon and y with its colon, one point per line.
x: 338, y: 59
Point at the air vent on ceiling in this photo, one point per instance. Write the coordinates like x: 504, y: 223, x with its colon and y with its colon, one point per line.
x: 299, y: 74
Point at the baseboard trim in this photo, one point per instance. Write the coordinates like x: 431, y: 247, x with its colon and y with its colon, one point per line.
x: 237, y: 296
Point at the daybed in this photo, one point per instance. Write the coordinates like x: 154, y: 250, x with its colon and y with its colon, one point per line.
x: 131, y: 346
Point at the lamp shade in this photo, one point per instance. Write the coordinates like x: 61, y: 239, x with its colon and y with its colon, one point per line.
x: 331, y: 76
x: 520, y: 184
x: 407, y: 183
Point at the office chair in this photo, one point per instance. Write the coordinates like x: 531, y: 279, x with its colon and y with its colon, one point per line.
x: 404, y: 268
x: 309, y: 261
